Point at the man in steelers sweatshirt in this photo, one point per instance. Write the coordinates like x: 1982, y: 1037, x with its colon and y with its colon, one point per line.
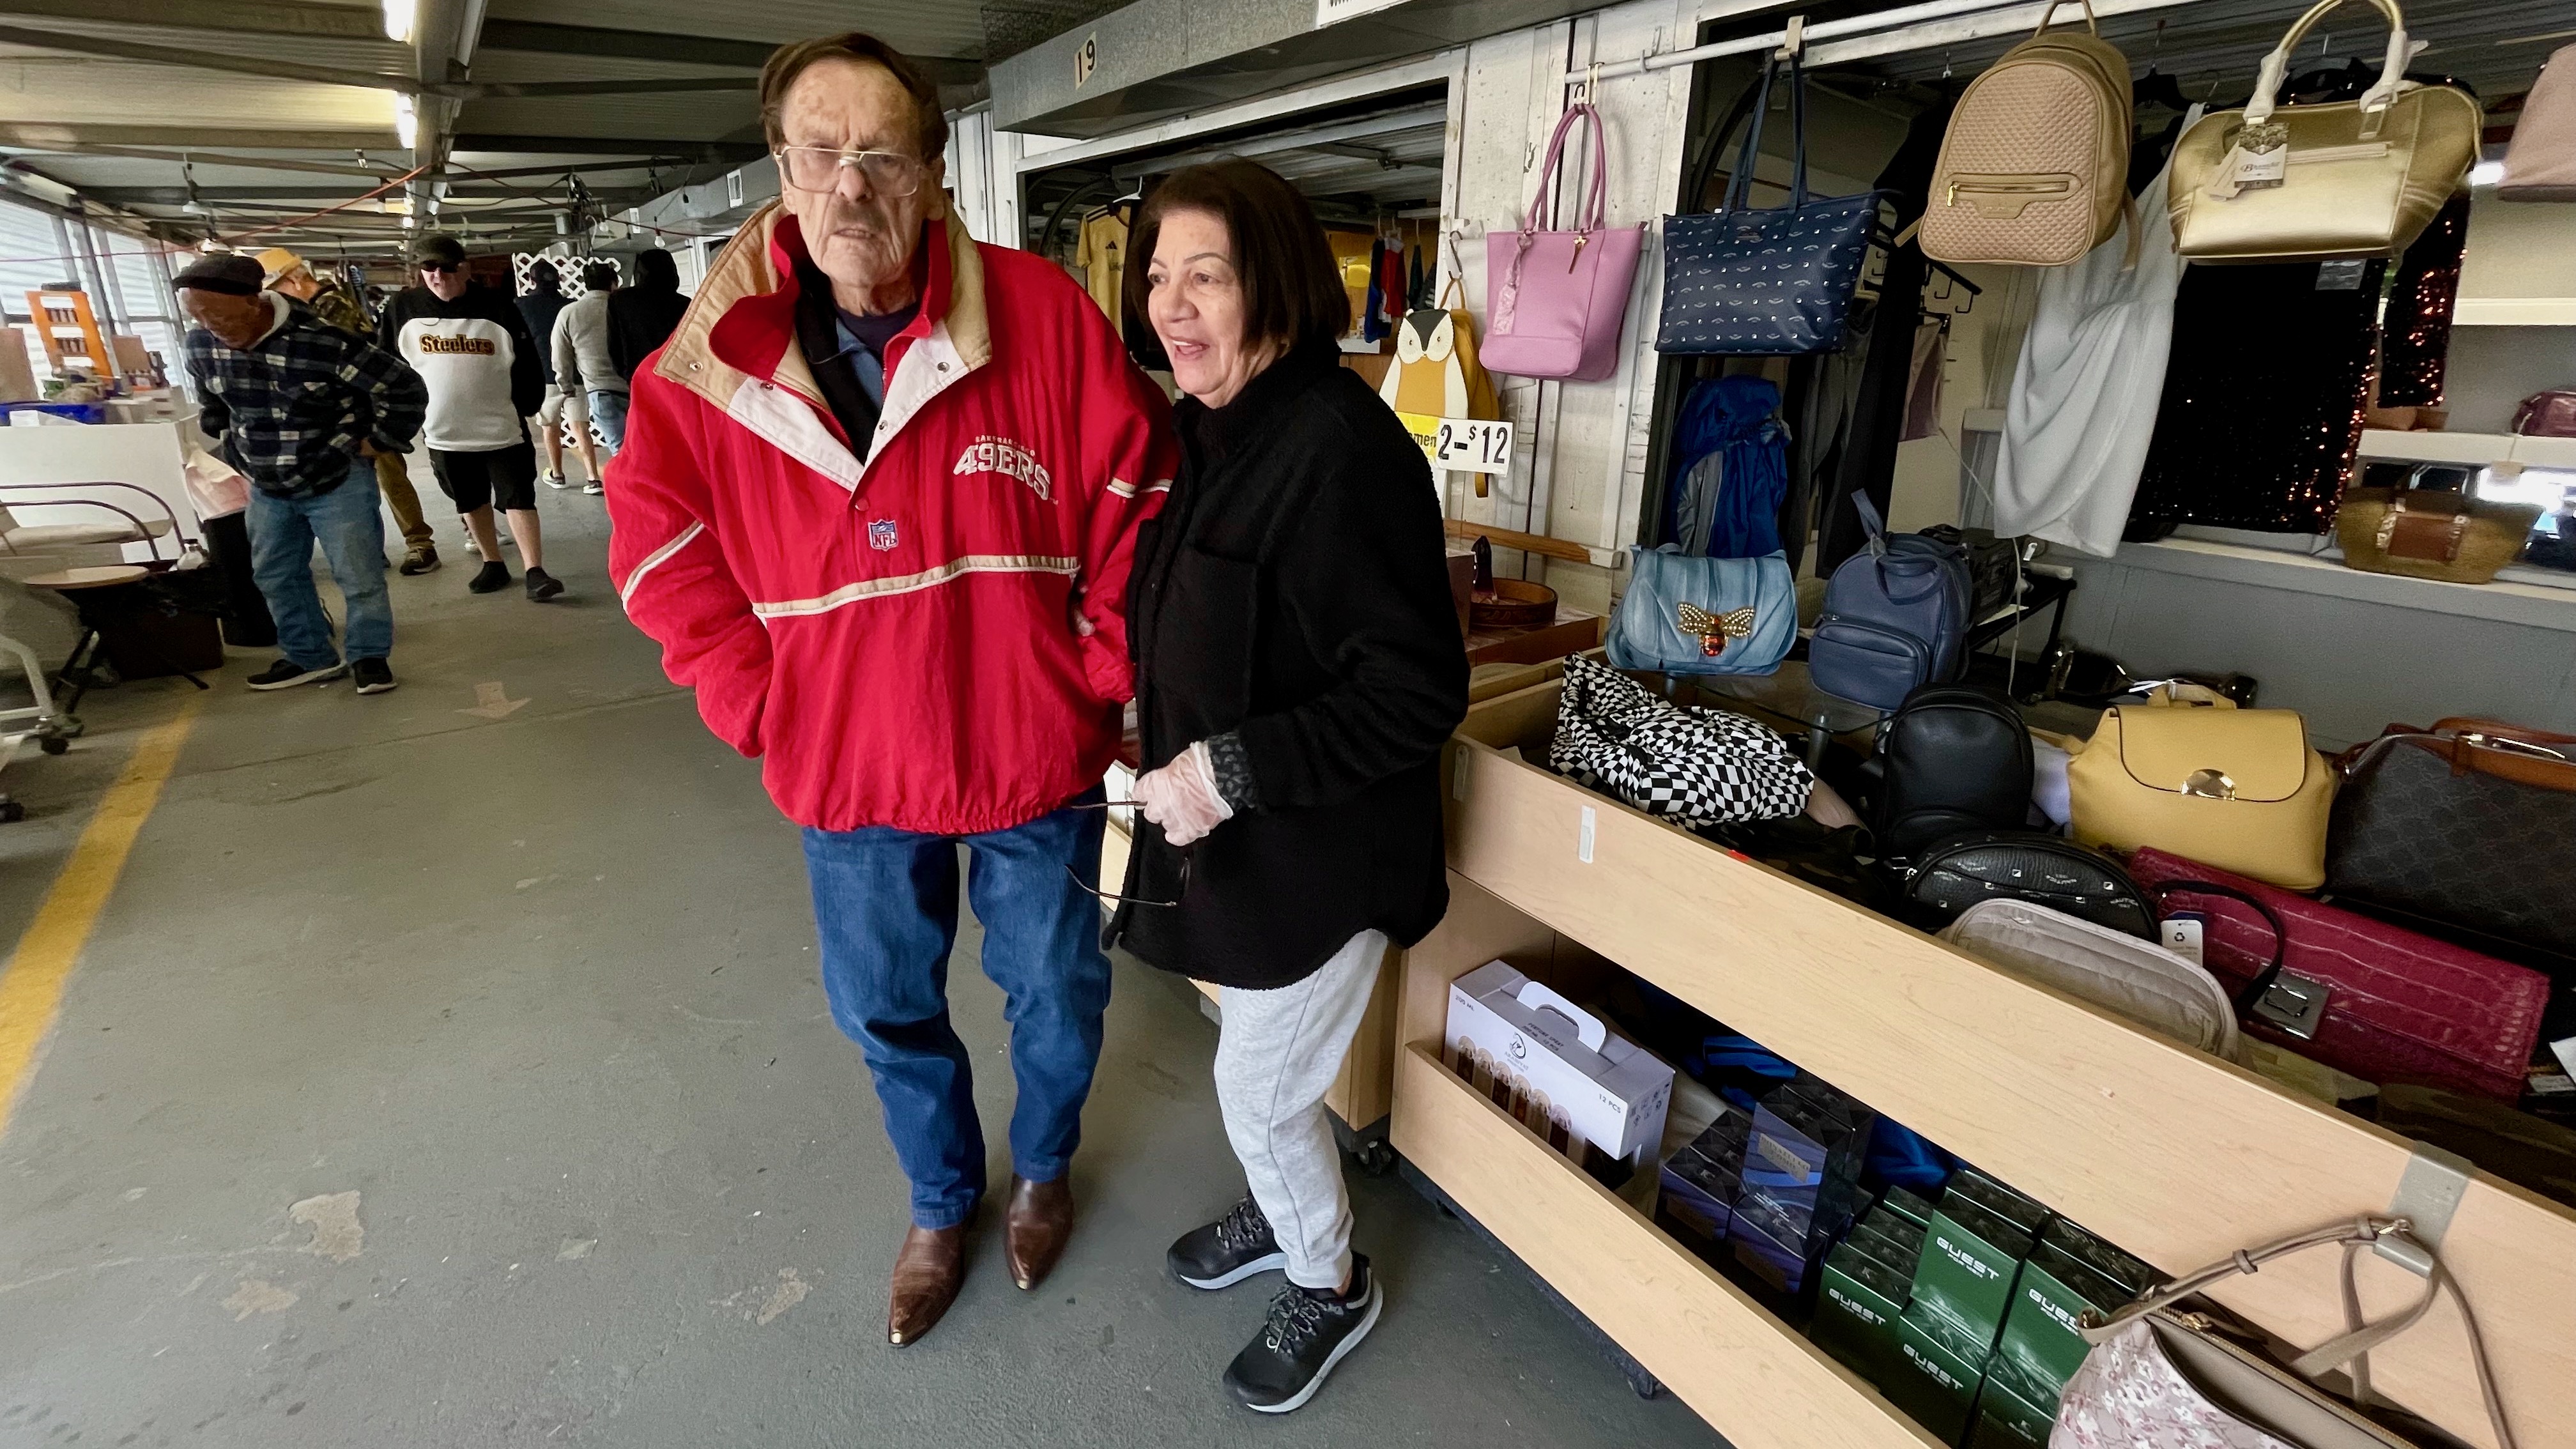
x: 485, y: 377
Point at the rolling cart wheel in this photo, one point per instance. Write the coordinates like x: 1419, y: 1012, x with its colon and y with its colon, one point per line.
x: 52, y: 745
x: 11, y: 812
x: 1375, y: 1157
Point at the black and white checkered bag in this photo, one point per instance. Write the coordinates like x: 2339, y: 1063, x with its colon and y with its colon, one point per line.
x: 1695, y: 767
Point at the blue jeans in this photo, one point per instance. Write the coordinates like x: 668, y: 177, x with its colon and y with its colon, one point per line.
x: 886, y: 903
x: 352, y: 534
x: 608, y: 415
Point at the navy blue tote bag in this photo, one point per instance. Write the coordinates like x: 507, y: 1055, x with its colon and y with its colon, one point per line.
x: 1741, y: 282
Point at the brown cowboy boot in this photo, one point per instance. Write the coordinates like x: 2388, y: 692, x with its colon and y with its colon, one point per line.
x: 1039, y: 1220
x: 926, y: 1275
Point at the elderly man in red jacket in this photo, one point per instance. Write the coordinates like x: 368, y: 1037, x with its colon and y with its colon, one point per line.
x: 878, y: 503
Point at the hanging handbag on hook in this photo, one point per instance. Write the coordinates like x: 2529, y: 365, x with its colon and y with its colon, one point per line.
x: 1741, y: 282
x: 1555, y: 301
x: 2361, y: 178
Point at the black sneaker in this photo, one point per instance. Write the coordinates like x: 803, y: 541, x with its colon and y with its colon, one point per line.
x: 421, y: 560
x: 374, y: 676
x: 1308, y: 1332
x: 542, y: 585
x: 492, y: 578
x: 286, y: 674
x: 1227, y: 1251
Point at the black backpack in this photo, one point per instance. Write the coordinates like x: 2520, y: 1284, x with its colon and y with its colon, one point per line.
x: 1952, y: 758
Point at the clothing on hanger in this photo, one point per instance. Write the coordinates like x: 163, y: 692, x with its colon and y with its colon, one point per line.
x: 1868, y: 457
x: 2076, y: 430
x: 1100, y: 255
x: 1923, y: 383
x: 2264, y: 397
x: 1730, y: 469
x: 1373, y: 326
x: 2417, y: 325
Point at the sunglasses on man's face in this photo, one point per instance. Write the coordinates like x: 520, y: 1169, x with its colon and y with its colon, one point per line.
x: 442, y: 268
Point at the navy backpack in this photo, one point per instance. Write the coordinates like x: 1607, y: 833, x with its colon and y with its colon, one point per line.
x: 1896, y: 616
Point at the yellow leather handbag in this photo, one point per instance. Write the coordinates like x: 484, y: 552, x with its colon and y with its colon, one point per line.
x: 2238, y: 789
x: 2347, y: 179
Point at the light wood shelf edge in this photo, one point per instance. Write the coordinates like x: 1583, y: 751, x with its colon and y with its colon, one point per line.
x: 1752, y: 1377
x: 2171, y: 1153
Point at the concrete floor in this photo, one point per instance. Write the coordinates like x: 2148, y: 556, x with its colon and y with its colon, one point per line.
x: 534, y: 995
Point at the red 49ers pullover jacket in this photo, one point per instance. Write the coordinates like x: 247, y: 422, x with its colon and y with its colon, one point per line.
x: 924, y: 628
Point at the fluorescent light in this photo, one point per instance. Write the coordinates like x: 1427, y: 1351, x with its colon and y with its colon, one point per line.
x: 399, y: 18
x: 406, y: 122
x: 2486, y: 173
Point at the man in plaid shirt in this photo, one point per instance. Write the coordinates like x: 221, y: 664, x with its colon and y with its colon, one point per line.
x: 305, y: 409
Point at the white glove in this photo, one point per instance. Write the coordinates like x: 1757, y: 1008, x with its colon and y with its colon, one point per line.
x: 1181, y: 797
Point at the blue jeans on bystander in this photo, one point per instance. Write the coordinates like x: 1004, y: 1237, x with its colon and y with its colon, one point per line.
x: 352, y: 534
x: 886, y: 903
x: 608, y: 415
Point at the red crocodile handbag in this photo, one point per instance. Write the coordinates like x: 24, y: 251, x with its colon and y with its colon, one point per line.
x: 2360, y: 995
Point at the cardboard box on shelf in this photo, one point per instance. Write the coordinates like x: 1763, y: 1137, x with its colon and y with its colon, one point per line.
x: 1970, y: 1258
x: 1937, y: 1372
x: 1857, y: 1307
x: 1613, y: 1092
x: 2012, y: 1412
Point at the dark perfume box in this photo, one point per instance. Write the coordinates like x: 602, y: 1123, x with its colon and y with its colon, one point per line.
x: 1857, y: 1305
x: 2012, y: 1412
x: 2016, y: 1208
x: 1908, y: 1204
x: 1966, y: 1270
x: 2067, y: 1239
x: 1936, y: 1374
x: 2040, y: 1338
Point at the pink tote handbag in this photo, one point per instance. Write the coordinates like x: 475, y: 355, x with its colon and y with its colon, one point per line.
x: 1555, y: 301
x: 2540, y: 162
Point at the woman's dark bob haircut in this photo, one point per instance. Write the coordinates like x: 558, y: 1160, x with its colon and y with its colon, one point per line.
x: 1292, y: 291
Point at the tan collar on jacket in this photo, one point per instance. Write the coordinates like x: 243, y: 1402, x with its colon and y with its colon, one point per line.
x: 754, y: 273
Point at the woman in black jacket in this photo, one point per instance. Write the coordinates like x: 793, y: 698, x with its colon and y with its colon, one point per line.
x: 1299, y: 666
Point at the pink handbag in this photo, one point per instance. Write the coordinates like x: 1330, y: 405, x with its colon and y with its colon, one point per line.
x: 2540, y: 161
x: 1556, y: 301
x: 2550, y: 414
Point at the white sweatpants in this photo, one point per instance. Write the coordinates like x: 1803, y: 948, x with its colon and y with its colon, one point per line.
x: 1276, y: 1055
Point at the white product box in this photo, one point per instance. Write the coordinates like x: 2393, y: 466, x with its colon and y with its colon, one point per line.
x: 1614, y: 1093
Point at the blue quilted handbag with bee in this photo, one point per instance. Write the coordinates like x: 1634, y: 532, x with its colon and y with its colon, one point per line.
x: 1741, y: 282
x: 1685, y: 615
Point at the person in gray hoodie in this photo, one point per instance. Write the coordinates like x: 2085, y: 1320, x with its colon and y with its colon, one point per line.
x: 583, y: 366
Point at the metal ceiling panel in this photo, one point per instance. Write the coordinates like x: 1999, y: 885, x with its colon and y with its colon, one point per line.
x: 1158, y: 58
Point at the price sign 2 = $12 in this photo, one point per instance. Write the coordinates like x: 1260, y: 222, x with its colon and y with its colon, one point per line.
x: 1467, y: 445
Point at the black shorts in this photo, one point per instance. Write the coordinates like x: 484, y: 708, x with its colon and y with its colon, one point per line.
x: 504, y: 478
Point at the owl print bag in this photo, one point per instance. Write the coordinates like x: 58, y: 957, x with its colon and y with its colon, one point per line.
x: 1745, y: 282
x: 1685, y: 615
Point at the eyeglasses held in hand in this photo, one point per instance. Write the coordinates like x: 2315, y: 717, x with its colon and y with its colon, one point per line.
x: 1182, y: 888
x: 818, y: 168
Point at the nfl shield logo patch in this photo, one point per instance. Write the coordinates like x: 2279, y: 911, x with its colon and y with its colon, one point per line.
x: 881, y: 535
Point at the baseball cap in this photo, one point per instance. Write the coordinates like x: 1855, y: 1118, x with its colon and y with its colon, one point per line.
x: 278, y: 261
x: 437, y: 247
x: 227, y: 272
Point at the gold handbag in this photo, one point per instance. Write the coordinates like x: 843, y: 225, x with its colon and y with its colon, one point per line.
x: 2431, y: 535
x: 2237, y: 789
x: 2348, y: 179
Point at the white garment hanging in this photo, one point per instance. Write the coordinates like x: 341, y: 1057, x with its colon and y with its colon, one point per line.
x: 2084, y: 395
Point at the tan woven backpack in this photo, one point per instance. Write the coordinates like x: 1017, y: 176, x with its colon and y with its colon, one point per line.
x: 2034, y: 167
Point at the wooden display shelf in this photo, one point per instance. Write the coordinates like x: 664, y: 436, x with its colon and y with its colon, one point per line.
x: 2174, y: 1155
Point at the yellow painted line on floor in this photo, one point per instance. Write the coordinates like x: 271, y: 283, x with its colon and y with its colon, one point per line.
x: 31, y: 985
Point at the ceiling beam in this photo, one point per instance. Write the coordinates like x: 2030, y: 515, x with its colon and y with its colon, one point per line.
x: 540, y: 38
x: 104, y: 47
x: 181, y: 195
x: 46, y: 135
x: 217, y: 158
x: 711, y: 152
x: 254, y: 17
x: 548, y: 39
x: 112, y: 49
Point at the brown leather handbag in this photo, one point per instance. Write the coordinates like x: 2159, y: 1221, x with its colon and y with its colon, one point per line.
x: 2431, y: 535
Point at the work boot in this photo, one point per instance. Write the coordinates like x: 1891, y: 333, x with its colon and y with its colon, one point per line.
x: 926, y: 1275
x: 1039, y: 1220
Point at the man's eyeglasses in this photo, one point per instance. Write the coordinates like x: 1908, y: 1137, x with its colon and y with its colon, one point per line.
x: 442, y: 268
x: 1180, y: 887
x: 818, y: 168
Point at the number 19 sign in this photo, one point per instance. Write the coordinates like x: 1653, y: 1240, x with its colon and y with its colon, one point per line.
x: 1465, y: 445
